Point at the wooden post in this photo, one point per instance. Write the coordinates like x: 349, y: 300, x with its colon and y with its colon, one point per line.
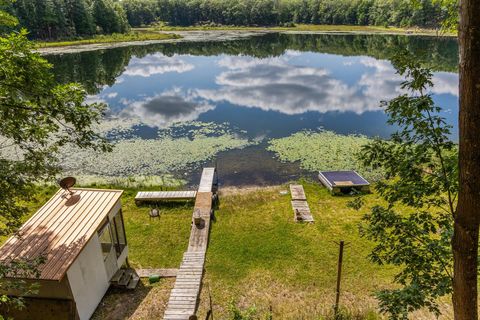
x: 339, y: 277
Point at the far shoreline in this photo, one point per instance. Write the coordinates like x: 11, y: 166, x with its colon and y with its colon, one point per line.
x: 195, y: 34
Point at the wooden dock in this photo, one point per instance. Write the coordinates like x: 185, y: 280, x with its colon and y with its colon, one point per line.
x: 183, y: 300
x: 301, y: 210
x: 154, y: 196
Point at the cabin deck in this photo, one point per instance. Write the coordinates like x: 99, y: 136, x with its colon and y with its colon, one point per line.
x: 183, y: 299
x: 300, y: 207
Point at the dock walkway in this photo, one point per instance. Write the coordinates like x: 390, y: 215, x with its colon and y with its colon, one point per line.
x: 183, y: 301
x: 300, y: 207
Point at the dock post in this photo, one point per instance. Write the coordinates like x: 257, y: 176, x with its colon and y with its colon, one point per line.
x: 339, y: 277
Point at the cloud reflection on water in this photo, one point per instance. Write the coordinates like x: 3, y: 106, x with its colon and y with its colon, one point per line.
x: 157, y: 64
x: 166, y: 108
x: 275, y: 84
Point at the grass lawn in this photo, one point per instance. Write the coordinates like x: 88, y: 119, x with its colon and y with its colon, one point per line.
x: 258, y: 259
x: 132, y: 36
x: 304, y: 27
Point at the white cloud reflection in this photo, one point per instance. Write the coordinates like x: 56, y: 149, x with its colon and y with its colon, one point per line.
x: 157, y: 64
x: 167, y: 108
x: 274, y: 84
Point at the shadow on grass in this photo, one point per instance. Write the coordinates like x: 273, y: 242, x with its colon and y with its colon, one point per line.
x: 120, y: 303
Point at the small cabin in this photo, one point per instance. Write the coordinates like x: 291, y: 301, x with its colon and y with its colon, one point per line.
x: 81, y: 236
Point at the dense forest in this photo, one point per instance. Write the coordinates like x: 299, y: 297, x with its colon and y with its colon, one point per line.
x: 404, y: 13
x: 54, y: 19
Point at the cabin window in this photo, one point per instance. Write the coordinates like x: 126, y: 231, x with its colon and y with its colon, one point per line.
x: 119, y: 233
x: 106, y: 241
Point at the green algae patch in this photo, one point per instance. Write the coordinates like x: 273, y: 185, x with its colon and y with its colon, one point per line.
x: 324, y: 150
x: 159, y: 156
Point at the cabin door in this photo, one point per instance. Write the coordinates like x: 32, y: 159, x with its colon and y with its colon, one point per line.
x: 108, y: 250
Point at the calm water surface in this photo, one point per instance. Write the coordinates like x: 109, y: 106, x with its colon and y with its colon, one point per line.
x: 261, y: 88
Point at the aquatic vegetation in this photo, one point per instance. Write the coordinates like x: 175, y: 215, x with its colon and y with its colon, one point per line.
x: 116, y: 126
x: 323, y: 150
x: 166, y: 180
x: 149, y: 157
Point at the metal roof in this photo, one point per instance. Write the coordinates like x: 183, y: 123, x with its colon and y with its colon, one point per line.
x: 60, y: 229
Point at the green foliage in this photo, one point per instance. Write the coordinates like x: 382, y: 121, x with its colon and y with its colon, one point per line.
x: 37, y: 116
x: 285, y: 12
x: 237, y: 314
x: 19, y: 267
x: 55, y: 19
x: 414, y: 230
x: 6, y: 19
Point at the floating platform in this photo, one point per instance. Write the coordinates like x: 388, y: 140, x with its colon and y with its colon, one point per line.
x: 344, y: 182
x: 300, y: 207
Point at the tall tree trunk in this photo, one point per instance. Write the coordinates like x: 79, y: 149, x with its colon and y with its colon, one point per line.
x: 467, y: 219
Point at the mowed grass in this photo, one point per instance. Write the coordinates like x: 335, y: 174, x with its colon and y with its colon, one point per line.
x: 258, y: 256
x: 156, y: 242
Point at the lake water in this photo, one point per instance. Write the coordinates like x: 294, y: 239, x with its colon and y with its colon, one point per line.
x: 222, y: 102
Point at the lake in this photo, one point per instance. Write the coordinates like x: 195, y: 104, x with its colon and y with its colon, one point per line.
x: 173, y: 108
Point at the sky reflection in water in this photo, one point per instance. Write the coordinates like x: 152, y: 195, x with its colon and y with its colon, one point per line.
x: 260, y: 88
x: 267, y: 97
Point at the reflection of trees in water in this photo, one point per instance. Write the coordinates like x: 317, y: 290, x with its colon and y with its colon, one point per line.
x: 97, y: 68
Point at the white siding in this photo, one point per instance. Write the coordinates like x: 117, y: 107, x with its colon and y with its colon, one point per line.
x: 88, y: 279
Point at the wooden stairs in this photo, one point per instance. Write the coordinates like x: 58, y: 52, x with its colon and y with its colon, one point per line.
x: 125, y: 278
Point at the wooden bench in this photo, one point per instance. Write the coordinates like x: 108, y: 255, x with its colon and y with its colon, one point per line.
x: 154, y: 196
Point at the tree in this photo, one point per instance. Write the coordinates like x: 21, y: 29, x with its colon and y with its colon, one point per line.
x: 413, y: 231
x: 467, y: 218
x: 37, y: 117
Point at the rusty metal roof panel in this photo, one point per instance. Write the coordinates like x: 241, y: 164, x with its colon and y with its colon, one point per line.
x: 60, y: 229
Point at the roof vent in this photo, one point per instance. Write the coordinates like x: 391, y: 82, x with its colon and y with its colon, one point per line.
x: 67, y: 183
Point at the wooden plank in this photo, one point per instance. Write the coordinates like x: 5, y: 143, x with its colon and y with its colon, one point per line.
x: 186, y: 290
x: 301, y: 211
x: 164, y: 196
x: 206, y: 181
x: 297, y: 192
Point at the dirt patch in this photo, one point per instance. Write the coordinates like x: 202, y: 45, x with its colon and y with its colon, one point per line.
x: 145, y: 302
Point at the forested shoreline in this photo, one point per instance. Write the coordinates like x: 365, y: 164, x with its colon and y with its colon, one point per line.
x: 68, y: 19
x: 401, y: 13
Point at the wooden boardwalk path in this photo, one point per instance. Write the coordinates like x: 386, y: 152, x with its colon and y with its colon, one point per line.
x: 183, y: 300
x: 152, y: 196
x: 301, y: 210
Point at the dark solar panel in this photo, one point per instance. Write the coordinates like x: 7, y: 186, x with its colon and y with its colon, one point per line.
x: 343, y: 176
